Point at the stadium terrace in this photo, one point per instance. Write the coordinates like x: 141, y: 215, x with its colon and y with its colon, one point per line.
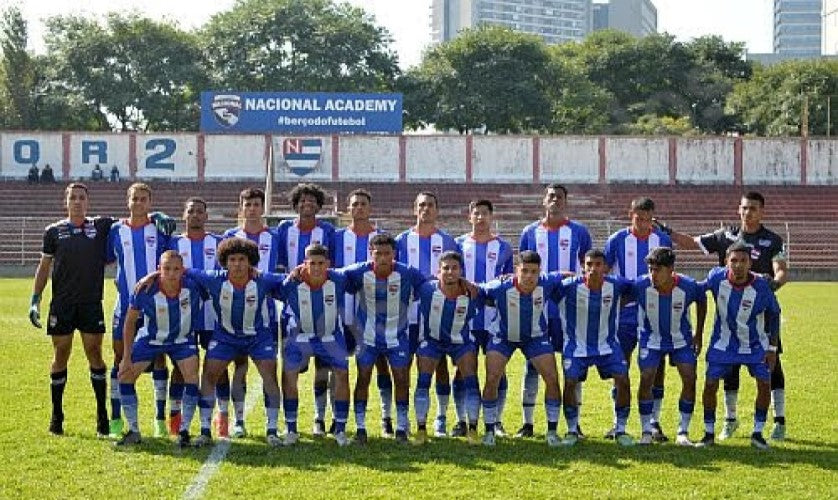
x: 307, y: 104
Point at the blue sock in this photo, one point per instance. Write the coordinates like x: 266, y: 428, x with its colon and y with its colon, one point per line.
x: 503, y: 387
x: 361, y: 413
x: 421, y: 397
x: 129, y: 403
x: 472, y: 397
x: 760, y: 416
x: 458, y: 388
x: 160, y: 379
x: 205, y: 406
x: 116, y: 404
x: 402, y: 419
x: 341, y: 414
x: 190, y: 402
x: 530, y: 392
x: 552, y: 407
x: 443, y: 394
x: 644, y: 407
x: 710, y: 420
x: 571, y: 415
x: 490, y: 413
x: 291, y: 406
x: 385, y: 391
x: 686, y: 409
x: 622, y: 414
x: 175, y: 397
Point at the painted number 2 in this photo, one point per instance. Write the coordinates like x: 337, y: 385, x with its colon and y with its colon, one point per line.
x: 163, y: 150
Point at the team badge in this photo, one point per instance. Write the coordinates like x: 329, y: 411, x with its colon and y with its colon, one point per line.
x: 393, y: 289
x: 564, y: 243
x: 461, y: 310
x: 677, y: 306
x: 606, y: 300
x: 209, y: 252
x: 746, y: 304
x: 226, y: 109
x: 644, y: 353
x: 436, y: 249
x: 302, y: 155
x: 151, y: 241
x: 184, y: 303
x: 492, y: 256
x: 329, y: 299
x: 250, y: 300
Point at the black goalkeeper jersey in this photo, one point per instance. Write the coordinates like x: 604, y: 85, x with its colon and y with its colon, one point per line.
x: 766, y: 246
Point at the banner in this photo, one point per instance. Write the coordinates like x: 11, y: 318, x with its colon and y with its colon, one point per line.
x: 300, y: 113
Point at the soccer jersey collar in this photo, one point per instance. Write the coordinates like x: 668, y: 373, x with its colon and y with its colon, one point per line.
x: 169, y: 296
x: 751, y: 278
x: 491, y: 237
x: 638, y: 236
x: 248, y: 233
x: 127, y: 222
x: 305, y: 229
x: 447, y: 295
x: 415, y: 230
x: 563, y: 222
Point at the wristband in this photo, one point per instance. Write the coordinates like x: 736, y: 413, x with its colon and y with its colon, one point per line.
x: 36, y: 299
x: 772, y: 348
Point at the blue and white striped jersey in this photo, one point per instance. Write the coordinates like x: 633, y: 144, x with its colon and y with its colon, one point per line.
x: 241, y: 311
x: 664, y: 318
x: 522, y: 315
x: 350, y: 248
x: 444, y: 318
x: 561, y: 250
x: 168, y: 320
x: 136, y: 251
x: 626, y: 253
x: 485, y: 261
x: 383, y: 301
x: 199, y: 254
x: 422, y: 253
x: 314, y: 311
x: 268, y: 243
x: 589, y: 317
x: 293, y: 242
x: 745, y: 317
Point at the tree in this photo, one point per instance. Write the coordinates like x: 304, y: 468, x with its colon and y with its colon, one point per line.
x: 145, y: 74
x: 772, y: 102
x: 303, y: 45
x: 489, y: 78
x: 18, y: 71
x: 578, y: 106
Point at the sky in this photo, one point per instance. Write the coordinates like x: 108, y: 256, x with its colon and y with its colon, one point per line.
x: 408, y: 21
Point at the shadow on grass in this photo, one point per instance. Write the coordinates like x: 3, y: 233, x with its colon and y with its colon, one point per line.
x: 385, y: 455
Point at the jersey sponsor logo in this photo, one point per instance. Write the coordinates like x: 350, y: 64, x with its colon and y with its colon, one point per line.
x: 755, y: 253
x: 212, y: 344
x: 496, y: 340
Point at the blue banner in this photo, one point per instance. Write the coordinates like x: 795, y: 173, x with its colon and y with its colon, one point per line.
x: 301, y: 113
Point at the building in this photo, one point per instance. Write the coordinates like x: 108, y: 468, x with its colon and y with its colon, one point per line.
x: 636, y: 17
x: 797, y: 27
x: 830, y: 27
x: 555, y: 21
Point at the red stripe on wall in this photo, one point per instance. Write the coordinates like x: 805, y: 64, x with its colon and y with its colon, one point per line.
x: 673, y: 160
x: 403, y: 158
x: 201, y: 158
x: 804, y: 162
x: 335, y: 157
x: 603, y: 161
x: 737, y: 162
x: 132, y: 155
x: 469, y: 158
x: 65, y: 155
x: 536, y: 160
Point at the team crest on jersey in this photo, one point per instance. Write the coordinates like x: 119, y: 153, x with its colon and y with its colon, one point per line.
x: 746, y: 304
x: 496, y: 340
x: 564, y: 243
x: 606, y: 300
x: 302, y: 155
x: 184, y: 303
x: 209, y: 252
x: 436, y: 249
x: 677, y: 306
x: 264, y: 247
x: 250, y: 300
x: 89, y: 230
x: 461, y: 310
x: 329, y: 299
x: 393, y: 289
x: 754, y: 253
x: 538, y: 301
x: 492, y: 256
x: 226, y: 109
x: 151, y: 241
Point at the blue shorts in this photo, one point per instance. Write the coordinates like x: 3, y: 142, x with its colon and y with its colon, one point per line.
x: 627, y: 337
x: 258, y: 347
x: 120, y: 310
x: 531, y: 348
x: 554, y: 331
x: 296, y: 353
x: 651, y: 358
x: 434, y: 349
x: 144, y: 351
x: 350, y: 337
x: 481, y: 339
x: 399, y: 356
x: 607, y: 365
x: 720, y: 370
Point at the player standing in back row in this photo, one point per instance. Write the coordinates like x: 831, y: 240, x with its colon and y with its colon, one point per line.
x: 768, y: 258
x: 561, y: 243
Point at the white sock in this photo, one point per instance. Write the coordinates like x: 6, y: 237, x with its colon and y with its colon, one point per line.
x: 731, y: 399
x: 778, y: 397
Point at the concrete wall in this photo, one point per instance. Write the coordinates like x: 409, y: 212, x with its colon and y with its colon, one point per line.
x: 454, y: 158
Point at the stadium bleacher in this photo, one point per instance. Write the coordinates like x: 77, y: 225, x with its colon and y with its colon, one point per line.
x: 805, y: 216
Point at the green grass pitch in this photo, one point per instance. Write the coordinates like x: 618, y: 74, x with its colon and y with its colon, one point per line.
x: 35, y: 464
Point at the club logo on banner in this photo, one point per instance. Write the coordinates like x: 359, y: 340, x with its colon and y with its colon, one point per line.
x: 226, y: 109
x: 302, y: 155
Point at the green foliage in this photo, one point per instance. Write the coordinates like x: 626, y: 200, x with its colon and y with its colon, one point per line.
x: 661, y: 125
x: 304, y: 45
x: 18, y: 72
x: 146, y: 74
x: 772, y: 102
x: 37, y: 465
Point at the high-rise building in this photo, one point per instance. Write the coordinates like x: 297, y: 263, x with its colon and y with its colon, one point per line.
x: 830, y: 27
x: 797, y: 27
x: 555, y: 21
x: 636, y: 17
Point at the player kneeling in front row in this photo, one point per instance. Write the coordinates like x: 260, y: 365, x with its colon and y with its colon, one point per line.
x: 521, y: 303
x: 445, y: 310
x: 169, y: 305
x: 314, y: 305
x: 745, y: 332
x: 588, y: 308
x: 664, y: 298
x: 242, y: 328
